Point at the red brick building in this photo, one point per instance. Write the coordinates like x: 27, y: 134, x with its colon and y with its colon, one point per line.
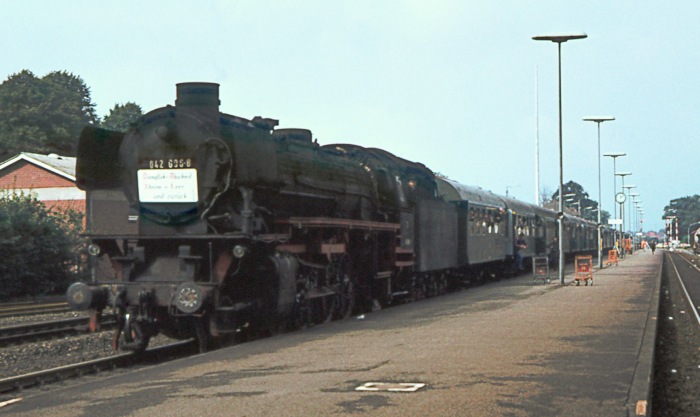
x: 50, y: 178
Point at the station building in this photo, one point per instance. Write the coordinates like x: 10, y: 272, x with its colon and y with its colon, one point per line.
x: 49, y: 178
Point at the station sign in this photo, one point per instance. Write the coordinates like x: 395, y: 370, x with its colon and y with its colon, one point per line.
x: 614, y: 221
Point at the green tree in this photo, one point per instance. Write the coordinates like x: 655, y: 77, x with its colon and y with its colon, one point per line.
x: 39, y: 246
x: 43, y: 115
x: 577, y: 199
x: 687, y: 211
x: 122, y: 116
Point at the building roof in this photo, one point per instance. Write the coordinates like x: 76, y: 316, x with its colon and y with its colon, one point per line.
x: 60, y: 165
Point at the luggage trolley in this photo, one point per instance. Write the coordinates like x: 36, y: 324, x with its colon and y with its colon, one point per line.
x: 540, y: 270
x: 583, y: 269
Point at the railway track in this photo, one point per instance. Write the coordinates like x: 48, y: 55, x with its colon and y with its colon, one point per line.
x: 25, y: 309
x: 46, y: 330
x: 685, y: 268
x: 151, y: 356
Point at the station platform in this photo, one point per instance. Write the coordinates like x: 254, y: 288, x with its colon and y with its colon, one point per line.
x: 510, y: 348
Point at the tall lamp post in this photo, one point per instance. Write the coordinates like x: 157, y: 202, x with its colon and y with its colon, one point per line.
x: 634, y: 202
x: 614, y: 156
x: 598, y: 120
x: 638, y: 222
x: 559, y: 39
x: 628, y: 216
x: 629, y: 211
x: 622, y: 209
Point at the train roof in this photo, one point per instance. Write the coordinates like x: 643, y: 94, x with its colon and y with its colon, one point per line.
x: 544, y: 212
x: 454, y: 191
x: 519, y: 207
x: 578, y: 220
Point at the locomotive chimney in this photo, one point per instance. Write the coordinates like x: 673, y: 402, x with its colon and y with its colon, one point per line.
x: 200, y: 100
x: 198, y: 94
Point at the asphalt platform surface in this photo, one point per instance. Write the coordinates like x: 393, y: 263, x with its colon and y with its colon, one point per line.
x: 509, y: 348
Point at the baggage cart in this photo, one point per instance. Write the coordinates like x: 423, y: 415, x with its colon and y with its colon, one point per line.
x: 540, y: 270
x: 583, y: 269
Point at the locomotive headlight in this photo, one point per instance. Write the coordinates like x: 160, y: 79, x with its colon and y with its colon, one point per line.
x: 188, y: 297
x: 239, y: 251
x: 93, y: 249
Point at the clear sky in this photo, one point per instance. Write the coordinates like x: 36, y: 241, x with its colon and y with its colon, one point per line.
x: 457, y: 85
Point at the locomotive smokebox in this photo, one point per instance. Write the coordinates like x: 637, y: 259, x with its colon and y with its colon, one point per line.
x: 200, y: 100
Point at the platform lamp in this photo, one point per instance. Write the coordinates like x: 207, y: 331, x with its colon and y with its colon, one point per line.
x: 633, y: 219
x: 634, y: 201
x: 614, y: 156
x: 620, y: 199
x: 598, y: 120
x: 559, y: 39
x: 628, y: 219
x: 640, y: 209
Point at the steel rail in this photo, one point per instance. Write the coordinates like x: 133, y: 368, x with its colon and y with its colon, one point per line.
x: 124, y: 360
x: 687, y: 295
x: 31, y: 309
x: 47, y: 330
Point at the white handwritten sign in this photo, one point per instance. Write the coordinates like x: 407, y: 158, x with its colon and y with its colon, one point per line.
x: 167, y: 185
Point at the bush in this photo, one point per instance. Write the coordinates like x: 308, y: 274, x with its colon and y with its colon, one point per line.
x: 40, y: 246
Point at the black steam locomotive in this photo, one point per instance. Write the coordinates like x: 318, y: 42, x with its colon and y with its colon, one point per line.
x: 205, y: 224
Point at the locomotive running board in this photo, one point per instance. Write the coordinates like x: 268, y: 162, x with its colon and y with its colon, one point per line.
x: 309, y: 222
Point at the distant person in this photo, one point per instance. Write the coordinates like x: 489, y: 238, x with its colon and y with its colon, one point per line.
x: 520, y: 244
x: 652, y: 245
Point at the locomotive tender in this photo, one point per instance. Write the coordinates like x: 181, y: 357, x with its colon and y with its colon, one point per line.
x: 203, y: 224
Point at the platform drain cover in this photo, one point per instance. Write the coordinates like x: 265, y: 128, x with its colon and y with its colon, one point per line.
x: 391, y: 386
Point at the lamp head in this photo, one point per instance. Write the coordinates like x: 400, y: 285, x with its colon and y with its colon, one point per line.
x: 598, y: 119
x: 560, y: 37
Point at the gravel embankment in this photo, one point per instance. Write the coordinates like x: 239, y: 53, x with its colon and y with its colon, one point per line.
x: 30, y: 357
